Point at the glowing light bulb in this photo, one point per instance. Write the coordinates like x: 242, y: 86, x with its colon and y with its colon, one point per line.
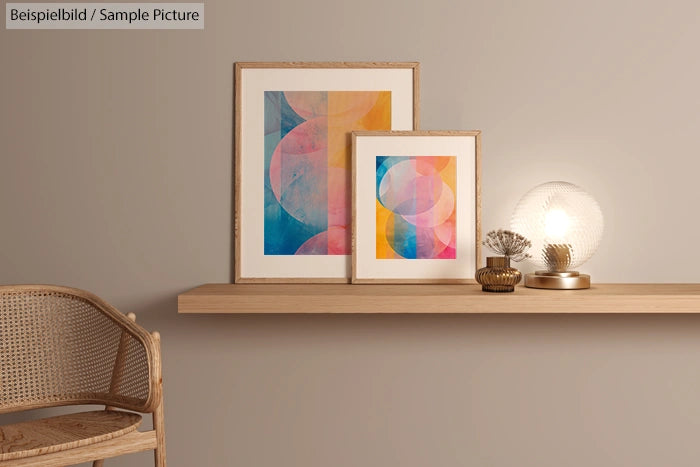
x: 556, y: 225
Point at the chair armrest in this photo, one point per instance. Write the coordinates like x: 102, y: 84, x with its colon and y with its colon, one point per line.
x: 138, y: 351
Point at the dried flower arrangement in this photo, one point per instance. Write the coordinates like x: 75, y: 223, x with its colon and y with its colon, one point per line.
x: 508, y: 243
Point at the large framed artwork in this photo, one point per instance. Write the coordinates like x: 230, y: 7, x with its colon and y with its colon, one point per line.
x: 292, y: 144
x: 416, y: 206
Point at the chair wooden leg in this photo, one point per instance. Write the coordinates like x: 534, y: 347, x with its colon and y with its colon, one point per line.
x: 159, y: 427
x: 158, y: 418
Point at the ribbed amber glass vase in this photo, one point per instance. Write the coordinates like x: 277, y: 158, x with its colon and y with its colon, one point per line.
x: 498, y: 276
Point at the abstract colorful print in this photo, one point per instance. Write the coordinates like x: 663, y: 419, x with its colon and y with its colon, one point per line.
x: 307, y: 166
x: 416, y: 207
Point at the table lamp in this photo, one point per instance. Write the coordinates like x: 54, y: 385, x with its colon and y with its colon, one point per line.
x: 565, y: 225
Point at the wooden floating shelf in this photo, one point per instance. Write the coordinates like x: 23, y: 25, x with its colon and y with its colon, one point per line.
x: 347, y: 298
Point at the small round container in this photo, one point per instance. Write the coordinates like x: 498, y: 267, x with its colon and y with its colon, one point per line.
x: 498, y: 276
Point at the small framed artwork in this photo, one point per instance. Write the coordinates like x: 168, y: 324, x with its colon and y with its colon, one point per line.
x: 292, y: 144
x: 416, y: 206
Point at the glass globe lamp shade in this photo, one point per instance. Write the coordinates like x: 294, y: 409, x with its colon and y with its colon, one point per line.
x: 565, y: 226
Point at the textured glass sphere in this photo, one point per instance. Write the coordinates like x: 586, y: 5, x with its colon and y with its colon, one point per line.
x: 563, y: 222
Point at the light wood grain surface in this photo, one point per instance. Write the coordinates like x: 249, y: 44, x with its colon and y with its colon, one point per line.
x: 130, y: 443
x: 346, y: 298
x: 34, y: 438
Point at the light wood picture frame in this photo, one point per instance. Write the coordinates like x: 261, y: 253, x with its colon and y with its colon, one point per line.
x: 416, y: 207
x: 292, y: 160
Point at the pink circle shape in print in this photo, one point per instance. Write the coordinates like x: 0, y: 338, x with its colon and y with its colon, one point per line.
x: 438, y: 213
x: 405, y: 191
x: 298, y: 173
x: 328, y: 242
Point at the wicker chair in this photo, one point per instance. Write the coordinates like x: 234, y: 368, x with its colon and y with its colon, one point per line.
x: 59, y: 347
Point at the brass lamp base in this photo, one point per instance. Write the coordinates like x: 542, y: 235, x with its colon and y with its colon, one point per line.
x: 568, y: 280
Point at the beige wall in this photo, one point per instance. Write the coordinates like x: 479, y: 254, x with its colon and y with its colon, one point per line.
x: 116, y: 177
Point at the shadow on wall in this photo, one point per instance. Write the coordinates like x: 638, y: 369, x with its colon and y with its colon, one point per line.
x: 422, y: 328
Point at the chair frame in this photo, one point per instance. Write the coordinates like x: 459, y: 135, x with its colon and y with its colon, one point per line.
x: 129, y: 443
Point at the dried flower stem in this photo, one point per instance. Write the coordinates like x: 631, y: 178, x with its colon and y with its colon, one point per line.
x: 508, y: 243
